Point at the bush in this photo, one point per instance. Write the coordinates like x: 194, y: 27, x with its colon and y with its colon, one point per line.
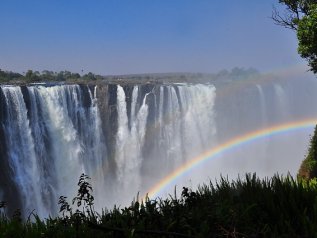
x: 248, y: 207
x: 308, y: 168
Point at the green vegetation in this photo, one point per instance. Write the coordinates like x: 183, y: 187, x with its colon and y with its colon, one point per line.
x: 46, y: 76
x: 235, y: 74
x: 249, y: 207
x: 301, y: 16
x: 308, y: 168
x: 6, y: 76
x: 307, y: 37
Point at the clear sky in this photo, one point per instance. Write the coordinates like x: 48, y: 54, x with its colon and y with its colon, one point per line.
x: 143, y: 36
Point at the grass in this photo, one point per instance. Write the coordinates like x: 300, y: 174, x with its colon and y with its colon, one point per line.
x: 248, y: 207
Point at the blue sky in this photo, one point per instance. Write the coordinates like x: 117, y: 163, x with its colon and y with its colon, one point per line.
x: 143, y: 36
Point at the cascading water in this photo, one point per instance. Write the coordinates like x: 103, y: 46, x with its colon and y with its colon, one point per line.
x: 55, y: 133
x: 263, y: 105
x: 130, y: 142
x: 21, y: 149
x: 125, y: 137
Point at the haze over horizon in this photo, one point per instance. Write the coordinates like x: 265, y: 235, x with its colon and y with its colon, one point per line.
x: 125, y: 37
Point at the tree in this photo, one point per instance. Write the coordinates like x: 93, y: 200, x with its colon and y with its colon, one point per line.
x: 307, y: 38
x: 32, y: 76
x: 308, y: 168
x: 89, y: 76
x: 47, y: 75
x: 301, y: 16
x: 6, y: 76
x: 75, y: 76
x: 29, y: 74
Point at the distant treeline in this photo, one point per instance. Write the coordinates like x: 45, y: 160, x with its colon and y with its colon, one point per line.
x: 46, y: 75
x: 223, y: 75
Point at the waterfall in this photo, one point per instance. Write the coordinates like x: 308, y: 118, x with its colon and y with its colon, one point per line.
x: 61, y: 107
x: 125, y: 137
x: 262, y: 104
x: 130, y: 141
x: 21, y: 151
x: 53, y: 142
x: 281, y: 101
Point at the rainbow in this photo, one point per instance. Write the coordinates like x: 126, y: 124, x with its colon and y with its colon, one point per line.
x: 227, y: 146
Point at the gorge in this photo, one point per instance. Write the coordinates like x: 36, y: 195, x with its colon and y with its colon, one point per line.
x: 127, y: 136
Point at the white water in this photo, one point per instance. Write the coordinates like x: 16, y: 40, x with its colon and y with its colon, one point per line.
x: 263, y: 105
x: 129, y: 144
x: 23, y: 161
x: 56, y: 133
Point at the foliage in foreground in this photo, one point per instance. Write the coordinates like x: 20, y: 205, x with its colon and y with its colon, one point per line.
x: 249, y: 207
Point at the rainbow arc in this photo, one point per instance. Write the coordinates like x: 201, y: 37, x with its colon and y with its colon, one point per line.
x: 230, y: 145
